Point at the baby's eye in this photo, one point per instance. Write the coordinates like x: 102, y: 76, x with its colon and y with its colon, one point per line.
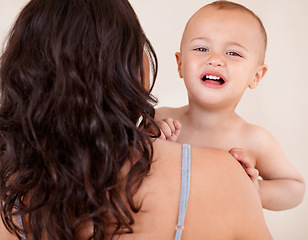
x: 234, y: 54
x: 202, y: 49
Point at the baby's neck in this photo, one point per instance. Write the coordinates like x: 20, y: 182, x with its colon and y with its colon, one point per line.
x: 200, y: 118
x: 218, y: 129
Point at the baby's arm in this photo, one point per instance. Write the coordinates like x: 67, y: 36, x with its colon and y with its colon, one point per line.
x: 282, y: 186
x: 169, y: 128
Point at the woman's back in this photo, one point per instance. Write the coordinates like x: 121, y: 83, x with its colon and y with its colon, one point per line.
x: 223, y: 203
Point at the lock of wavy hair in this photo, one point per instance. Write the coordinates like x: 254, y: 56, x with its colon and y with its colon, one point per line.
x: 72, y: 92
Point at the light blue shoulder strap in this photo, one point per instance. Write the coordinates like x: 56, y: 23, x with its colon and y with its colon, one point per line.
x: 186, y: 166
x: 21, y: 227
x: 20, y: 224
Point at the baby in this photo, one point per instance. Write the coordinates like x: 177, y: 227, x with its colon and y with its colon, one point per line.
x: 222, y: 53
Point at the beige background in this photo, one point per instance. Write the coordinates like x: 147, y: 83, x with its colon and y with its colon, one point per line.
x: 279, y: 104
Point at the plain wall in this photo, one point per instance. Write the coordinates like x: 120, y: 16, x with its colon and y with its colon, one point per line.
x: 279, y: 104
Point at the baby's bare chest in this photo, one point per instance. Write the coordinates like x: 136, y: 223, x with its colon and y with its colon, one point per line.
x: 217, y: 139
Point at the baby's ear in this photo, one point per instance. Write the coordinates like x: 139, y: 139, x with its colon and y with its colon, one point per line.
x: 259, y: 75
x: 179, y: 62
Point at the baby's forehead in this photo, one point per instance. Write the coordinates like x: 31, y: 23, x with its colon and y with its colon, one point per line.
x: 243, y: 22
x: 209, y: 12
x: 205, y: 14
x: 209, y: 19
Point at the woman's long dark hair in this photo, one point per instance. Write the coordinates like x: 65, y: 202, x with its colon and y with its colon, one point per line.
x: 72, y: 77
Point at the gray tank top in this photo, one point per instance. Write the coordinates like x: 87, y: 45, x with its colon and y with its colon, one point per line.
x: 186, y: 166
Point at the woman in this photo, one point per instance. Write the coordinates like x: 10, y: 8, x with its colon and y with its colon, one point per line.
x: 78, y: 163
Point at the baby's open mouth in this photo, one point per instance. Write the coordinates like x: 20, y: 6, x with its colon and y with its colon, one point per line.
x: 214, y: 79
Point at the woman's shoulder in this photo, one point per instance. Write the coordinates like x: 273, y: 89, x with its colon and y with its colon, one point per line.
x: 221, y: 188
x: 208, y: 165
x: 221, y: 193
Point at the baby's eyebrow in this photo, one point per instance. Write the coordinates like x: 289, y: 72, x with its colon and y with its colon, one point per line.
x: 232, y: 43
x: 200, y: 38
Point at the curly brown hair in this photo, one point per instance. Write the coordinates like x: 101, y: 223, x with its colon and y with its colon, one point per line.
x: 72, y: 92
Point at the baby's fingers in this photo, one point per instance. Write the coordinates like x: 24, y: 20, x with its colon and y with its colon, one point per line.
x: 174, y: 134
x: 164, y: 129
x: 242, y: 156
x: 254, y: 175
x: 177, y: 125
x: 170, y: 129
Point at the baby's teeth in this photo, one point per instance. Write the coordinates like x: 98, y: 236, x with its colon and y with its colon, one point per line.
x: 213, y: 77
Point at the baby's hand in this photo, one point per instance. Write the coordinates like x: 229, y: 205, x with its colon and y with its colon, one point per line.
x: 169, y: 128
x: 248, y: 162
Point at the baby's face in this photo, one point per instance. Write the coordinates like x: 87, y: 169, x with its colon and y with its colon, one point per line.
x: 226, y: 45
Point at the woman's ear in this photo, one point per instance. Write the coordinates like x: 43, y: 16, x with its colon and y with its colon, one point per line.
x: 179, y: 62
x: 258, y: 76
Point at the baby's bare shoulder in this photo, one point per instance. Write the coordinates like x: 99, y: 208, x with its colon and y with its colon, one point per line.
x: 255, y: 131
x: 258, y: 136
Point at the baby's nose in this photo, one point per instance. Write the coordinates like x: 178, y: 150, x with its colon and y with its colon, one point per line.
x: 215, y: 60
